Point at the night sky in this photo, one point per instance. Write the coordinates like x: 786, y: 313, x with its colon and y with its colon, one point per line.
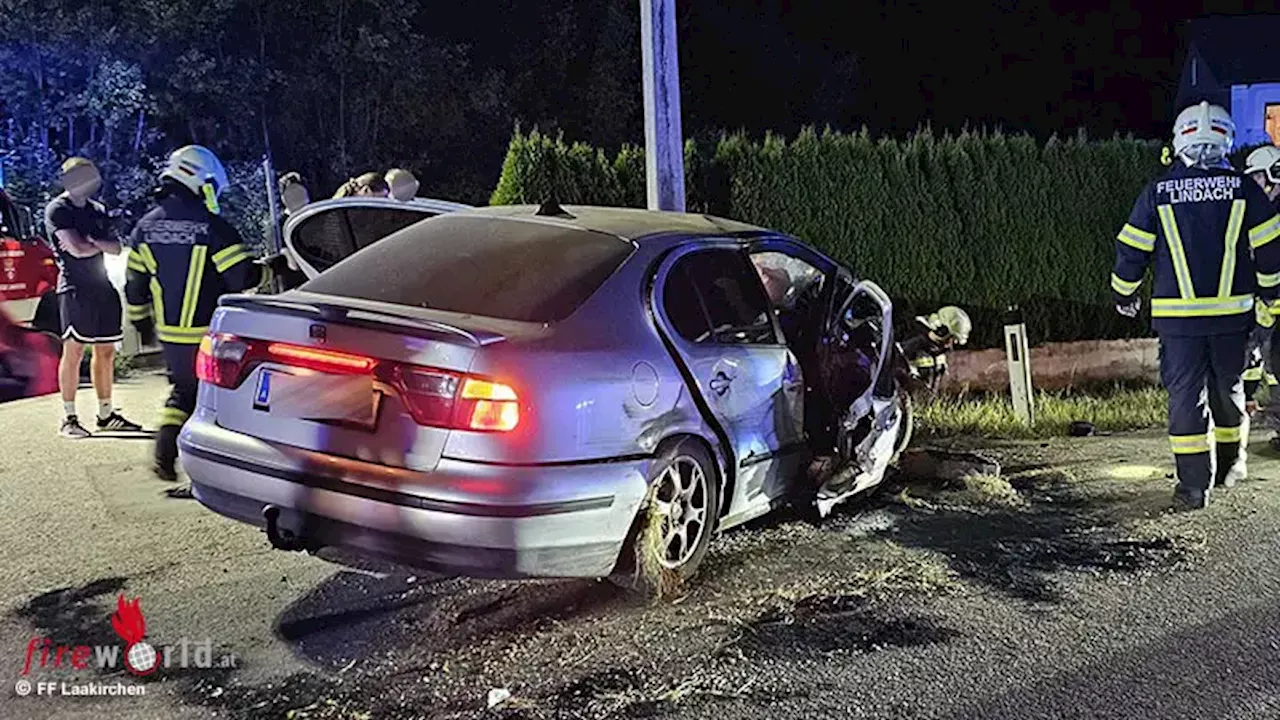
x: 414, y: 83
x: 1041, y: 66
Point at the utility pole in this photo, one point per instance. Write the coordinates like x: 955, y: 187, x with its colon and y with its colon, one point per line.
x: 663, y: 140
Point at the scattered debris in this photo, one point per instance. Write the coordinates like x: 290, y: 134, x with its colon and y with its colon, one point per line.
x: 830, y: 625
x: 1081, y: 428
x: 497, y: 696
x: 981, y: 489
x: 872, y: 523
x: 939, y: 464
x: 781, y: 587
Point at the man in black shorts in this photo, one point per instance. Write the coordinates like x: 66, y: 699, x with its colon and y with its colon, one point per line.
x: 77, y: 229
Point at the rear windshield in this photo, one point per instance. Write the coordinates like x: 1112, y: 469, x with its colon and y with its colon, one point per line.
x: 498, y: 268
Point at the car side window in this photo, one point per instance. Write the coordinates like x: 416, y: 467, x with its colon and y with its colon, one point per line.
x: 683, y: 306
x: 732, y: 298
x: 323, y: 240
x: 369, y: 225
x: 786, y: 279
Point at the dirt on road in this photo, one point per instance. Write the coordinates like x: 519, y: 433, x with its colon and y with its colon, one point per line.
x: 785, y: 612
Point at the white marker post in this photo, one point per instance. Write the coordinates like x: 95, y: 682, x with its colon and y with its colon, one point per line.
x: 663, y: 139
x: 1018, y: 352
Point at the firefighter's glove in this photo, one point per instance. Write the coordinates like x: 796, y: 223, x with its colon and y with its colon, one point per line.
x: 1270, y: 306
x: 146, y: 328
x: 1128, y: 306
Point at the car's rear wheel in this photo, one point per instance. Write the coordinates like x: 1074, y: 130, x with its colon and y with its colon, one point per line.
x: 674, y: 529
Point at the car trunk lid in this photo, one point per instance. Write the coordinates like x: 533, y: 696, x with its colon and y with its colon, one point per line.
x: 358, y: 379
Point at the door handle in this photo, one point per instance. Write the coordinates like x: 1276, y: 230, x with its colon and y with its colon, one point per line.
x: 720, y: 383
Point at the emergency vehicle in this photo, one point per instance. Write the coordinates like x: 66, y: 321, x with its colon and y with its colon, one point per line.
x: 28, y: 271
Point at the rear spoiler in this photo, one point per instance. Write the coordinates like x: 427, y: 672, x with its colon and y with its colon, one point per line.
x: 360, y: 317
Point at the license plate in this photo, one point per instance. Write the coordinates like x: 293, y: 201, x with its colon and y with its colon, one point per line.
x: 317, y: 396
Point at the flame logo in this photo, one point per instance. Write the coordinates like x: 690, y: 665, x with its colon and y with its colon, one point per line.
x: 128, y: 621
x: 140, y: 658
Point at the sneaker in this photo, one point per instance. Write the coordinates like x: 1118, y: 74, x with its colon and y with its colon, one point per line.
x: 71, y: 428
x: 1185, y: 498
x: 116, y: 422
x: 1233, y: 475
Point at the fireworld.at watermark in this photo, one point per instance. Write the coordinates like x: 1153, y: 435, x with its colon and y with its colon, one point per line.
x: 137, y: 656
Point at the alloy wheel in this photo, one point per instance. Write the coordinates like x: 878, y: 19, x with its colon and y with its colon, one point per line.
x: 680, y: 501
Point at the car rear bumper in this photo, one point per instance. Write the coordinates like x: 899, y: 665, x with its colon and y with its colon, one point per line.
x: 568, y: 520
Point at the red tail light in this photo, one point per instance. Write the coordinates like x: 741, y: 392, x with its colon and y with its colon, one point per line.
x: 315, y: 359
x: 435, y: 398
x: 429, y: 394
x: 222, y: 360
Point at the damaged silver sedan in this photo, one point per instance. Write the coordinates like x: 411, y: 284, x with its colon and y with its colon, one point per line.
x: 546, y: 392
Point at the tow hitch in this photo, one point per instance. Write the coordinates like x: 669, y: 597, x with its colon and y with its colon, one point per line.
x: 281, y: 538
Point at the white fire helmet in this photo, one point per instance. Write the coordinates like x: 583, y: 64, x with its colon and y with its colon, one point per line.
x: 1265, y: 160
x: 198, y: 169
x: 956, y: 321
x: 403, y: 185
x: 1203, y: 134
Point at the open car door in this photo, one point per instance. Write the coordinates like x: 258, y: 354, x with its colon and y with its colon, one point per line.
x: 857, y: 360
x: 326, y: 232
x: 857, y: 348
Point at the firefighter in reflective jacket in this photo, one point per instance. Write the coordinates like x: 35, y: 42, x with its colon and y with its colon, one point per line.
x: 1263, y: 165
x: 1209, y: 236
x: 1256, y: 370
x: 183, y: 258
x: 926, y: 351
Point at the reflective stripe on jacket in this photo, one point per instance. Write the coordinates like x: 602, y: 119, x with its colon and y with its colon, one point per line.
x: 1209, y: 237
x: 182, y: 259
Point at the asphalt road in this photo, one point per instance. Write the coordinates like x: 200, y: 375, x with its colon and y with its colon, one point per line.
x: 1077, y: 598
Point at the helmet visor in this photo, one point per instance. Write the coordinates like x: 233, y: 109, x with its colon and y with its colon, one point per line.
x: 1273, y: 173
x: 1205, y: 154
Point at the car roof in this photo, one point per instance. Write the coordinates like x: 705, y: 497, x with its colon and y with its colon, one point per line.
x: 373, y: 201
x: 627, y: 223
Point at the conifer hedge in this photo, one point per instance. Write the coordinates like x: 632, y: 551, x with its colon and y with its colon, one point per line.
x: 981, y: 220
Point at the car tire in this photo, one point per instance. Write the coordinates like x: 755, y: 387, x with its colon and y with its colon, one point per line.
x: 673, y: 530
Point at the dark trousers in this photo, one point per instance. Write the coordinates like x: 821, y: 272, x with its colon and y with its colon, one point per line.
x: 1271, y: 351
x: 181, y: 361
x: 1203, y: 377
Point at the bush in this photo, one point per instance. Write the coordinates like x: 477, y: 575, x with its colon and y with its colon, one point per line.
x: 983, y: 220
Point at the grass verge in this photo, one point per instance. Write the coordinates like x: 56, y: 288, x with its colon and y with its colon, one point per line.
x: 992, y: 416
